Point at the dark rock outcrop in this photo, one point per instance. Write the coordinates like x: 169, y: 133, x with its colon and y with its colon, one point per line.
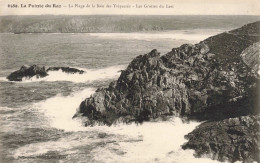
x: 66, y: 69
x: 27, y: 72
x: 215, y: 80
x: 208, y: 80
x: 233, y: 139
x: 39, y: 72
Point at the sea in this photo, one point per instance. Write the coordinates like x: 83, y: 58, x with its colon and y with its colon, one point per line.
x: 36, y: 122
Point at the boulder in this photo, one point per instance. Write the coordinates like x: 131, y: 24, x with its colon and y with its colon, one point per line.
x: 232, y: 139
x: 39, y: 72
x: 27, y: 72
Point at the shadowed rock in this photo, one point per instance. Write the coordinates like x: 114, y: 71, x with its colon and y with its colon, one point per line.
x: 251, y: 57
x: 27, y: 72
x: 208, y: 80
x: 39, y: 72
x: 213, y: 80
x: 233, y: 139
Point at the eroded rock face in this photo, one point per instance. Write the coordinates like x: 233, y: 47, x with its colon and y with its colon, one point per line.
x: 27, y: 72
x: 208, y: 80
x: 233, y: 139
x: 251, y: 57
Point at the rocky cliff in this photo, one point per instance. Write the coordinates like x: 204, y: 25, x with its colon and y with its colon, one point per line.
x: 208, y: 80
x: 232, y: 139
x: 215, y: 80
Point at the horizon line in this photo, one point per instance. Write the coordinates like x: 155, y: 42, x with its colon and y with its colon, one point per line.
x: 129, y: 15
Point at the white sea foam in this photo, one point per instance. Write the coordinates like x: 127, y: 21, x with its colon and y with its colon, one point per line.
x: 147, y: 142
x: 161, y: 142
x: 60, y: 109
x: 173, y: 35
x: 90, y: 75
x: 3, y: 79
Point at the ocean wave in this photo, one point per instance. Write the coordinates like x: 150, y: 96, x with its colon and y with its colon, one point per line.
x: 60, y: 109
x: 90, y: 75
x: 161, y: 142
x: 147, y: 142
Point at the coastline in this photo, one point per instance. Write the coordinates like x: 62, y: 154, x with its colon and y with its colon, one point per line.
x: 41, y: 110
x: 149, y: 75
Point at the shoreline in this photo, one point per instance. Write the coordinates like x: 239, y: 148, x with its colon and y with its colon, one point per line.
x: 199, y: 81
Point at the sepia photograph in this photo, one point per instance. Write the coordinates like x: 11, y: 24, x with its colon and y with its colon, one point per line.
x: 141, y: 81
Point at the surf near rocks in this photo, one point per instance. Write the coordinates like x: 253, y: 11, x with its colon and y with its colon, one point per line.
x: 38, y: 72
x: 212, y: 80
x: 233, y: 139
x: 195, y: 81
x: 27, y: 72
x: 66, y: 69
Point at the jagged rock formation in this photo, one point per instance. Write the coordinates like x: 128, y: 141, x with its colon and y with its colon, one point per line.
x: 233, y: 139
x: 38, y: 72
x: 208, y: 80
x: 66, y: 69
x: 215, y: 80
x: 27, y: 72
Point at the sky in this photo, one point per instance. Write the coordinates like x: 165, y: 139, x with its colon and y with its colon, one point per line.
x: 134, y: 7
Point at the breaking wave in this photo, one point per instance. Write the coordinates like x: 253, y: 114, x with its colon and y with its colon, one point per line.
x: 90, y: 75
x: 148, y: 142
x: 60, y: 109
